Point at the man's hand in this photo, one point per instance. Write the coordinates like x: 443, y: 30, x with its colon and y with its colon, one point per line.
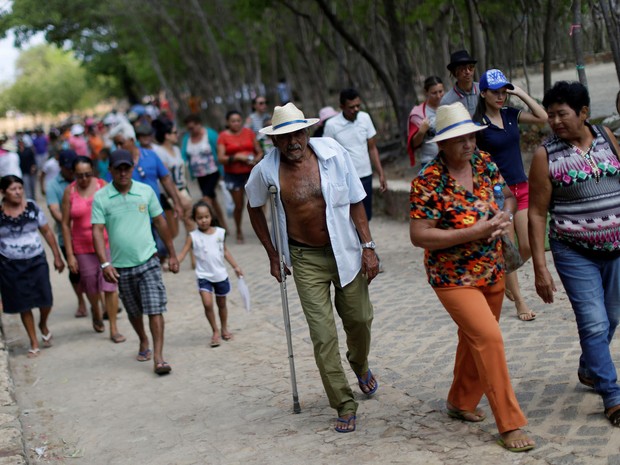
x: 173, y: 264
x: 110, y: 274
x: 59, y: 265
x: 382, y: 183
x: 370, y: 264
x: 274, y: 264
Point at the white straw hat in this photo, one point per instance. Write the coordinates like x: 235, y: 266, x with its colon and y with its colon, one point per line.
x: 453, y: 121
x: 287, y: 119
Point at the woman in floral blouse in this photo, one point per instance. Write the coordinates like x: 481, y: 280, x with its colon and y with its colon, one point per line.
x: 454, y: 217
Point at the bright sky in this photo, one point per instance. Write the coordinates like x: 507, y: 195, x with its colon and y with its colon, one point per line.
x: 9, y: 54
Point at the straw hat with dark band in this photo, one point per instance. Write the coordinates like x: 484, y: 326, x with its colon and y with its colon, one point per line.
x: 287, y: 119
x: 453, y: 121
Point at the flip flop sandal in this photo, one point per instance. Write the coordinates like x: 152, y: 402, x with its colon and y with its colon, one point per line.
x: 614, y: 417
x: 98, y: 326
x: 144, y: 356
x: 33, y: 353
x: 162, y: 368
x: 47, y: 339
x: 501, y: 442
x: 465, y: 415
x: 347, y: 422
x: 117, y: 338
x: 365, y: 383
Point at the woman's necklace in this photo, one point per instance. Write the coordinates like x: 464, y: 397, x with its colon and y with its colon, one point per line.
x: 589, y: 160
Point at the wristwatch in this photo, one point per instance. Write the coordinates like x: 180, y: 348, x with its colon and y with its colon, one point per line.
x: 105, y: 265
x: 510, y: 216
x: 369, y: 245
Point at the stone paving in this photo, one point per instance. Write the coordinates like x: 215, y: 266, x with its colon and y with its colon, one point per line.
x: 87, y: 401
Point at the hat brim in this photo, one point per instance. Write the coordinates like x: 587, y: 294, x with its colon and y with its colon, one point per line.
x: 270, y: 131
x: 458, y: 131
x: 500, y: 86
x: 121, y: 162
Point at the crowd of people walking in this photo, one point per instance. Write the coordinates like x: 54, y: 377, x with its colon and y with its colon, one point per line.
x: 119, y: 189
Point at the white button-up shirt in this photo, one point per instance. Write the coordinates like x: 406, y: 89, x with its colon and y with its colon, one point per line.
x: 340, y: 186
x: 354, y: 137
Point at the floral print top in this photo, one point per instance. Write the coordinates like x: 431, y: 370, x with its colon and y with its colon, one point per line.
x: 435, y: 195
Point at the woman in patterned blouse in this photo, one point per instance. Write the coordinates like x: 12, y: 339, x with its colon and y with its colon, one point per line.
x: 455, y: 219
x: 575, y: 177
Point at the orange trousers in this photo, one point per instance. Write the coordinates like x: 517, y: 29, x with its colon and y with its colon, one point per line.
x: 480, y: 365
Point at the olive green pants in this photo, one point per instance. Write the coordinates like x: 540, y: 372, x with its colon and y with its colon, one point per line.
x: 314, y: 271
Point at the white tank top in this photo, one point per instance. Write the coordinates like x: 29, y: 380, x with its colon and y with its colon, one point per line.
x: 209, y: 252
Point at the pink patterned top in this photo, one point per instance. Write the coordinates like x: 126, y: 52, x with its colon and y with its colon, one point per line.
x: 81, y: 227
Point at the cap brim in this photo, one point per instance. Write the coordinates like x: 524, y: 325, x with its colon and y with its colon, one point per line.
x: 500, y: 86
x: 289, y: 127
x: 121, y: 162
x: 458, y: 131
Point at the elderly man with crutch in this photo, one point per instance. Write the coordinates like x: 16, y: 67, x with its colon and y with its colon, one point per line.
x: 325, y: 237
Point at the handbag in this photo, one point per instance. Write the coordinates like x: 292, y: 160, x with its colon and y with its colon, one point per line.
x: 512, y: 257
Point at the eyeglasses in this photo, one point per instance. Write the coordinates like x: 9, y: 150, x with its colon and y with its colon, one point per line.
x: 173, y: 132
x: 83, y: 175
x: 469, y: 67
x: 261, y: 103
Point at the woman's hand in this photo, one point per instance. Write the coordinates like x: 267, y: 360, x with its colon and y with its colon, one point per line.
x: 545, y: 286
x: 238, y: 272
x: 73, y: 264
x: 424, y: 125
x: 491, y: 229
x: 517, y: 91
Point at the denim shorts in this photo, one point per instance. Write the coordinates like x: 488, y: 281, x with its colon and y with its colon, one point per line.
x: 220, y: 289
x: 235, y: 182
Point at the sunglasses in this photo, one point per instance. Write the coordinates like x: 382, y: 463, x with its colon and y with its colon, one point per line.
x: 83, y: 175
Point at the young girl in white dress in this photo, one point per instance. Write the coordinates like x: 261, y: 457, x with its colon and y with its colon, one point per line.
x: 207, y: 245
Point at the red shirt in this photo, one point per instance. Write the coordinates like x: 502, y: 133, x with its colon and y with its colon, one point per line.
x: 237, y: 144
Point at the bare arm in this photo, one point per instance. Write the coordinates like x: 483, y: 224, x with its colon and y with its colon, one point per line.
x: 370, y: 262
x: 222, y: 157
x: 538, y: 114
x: 186, y: 248
x: 418, y: 137
x: 48, y: 235
x: 229, y: 258
x: 613, y: 140
x: 173, y: 192
x: 540, y: 197
x: 258, y: 150
x: 259, y: 223
x: 66, y: 231
x: 425, y: 234
x: 164, y: 233
x: 109, y: 272
x: 55, y: 211
x: 373, y: 151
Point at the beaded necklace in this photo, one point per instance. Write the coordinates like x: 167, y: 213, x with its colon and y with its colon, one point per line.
x: 588, y: 159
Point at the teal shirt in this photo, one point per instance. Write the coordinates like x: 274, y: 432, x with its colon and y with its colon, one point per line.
x: 127, y: 219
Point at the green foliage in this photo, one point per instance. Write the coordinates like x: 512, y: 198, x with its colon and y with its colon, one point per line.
x: 49, y: 80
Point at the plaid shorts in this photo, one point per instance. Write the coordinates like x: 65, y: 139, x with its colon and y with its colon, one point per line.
x: 142, y: 290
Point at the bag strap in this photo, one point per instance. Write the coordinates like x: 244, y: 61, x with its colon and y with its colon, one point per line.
x: 602, y: 130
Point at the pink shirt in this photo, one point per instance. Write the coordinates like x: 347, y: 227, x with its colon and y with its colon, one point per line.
x: 81, y: 227
x: 79, y: 145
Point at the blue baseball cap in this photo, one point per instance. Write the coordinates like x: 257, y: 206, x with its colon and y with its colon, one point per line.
x: 66, y: 158
x: 494, y: 79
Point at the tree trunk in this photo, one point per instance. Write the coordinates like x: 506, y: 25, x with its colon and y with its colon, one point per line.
x: 404, y: 75
x: 478, y: 47
x: 613, y: 24
x: 577, y: 42
x: 548, y: 37
x: 370, y: 59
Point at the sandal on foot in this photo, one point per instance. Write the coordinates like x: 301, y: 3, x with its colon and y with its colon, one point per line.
x: 507, y: 446
x: 33, y: 353
x: 98, y: 326
x: 465, y: 415
x: 144, y: 356
x: 347, y: 424
x: 162, y: 368
x: 47, y: 339
x: 215, y: 341
x: 117, y: 338
x: 613, y: 417
x: 79, y: 313
x: 524, y: 313
x: 365, y: 383
x: 227, y: 336
x: 509, y: 295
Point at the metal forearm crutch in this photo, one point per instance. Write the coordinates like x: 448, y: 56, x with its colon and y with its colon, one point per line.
x: 273, y: 190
